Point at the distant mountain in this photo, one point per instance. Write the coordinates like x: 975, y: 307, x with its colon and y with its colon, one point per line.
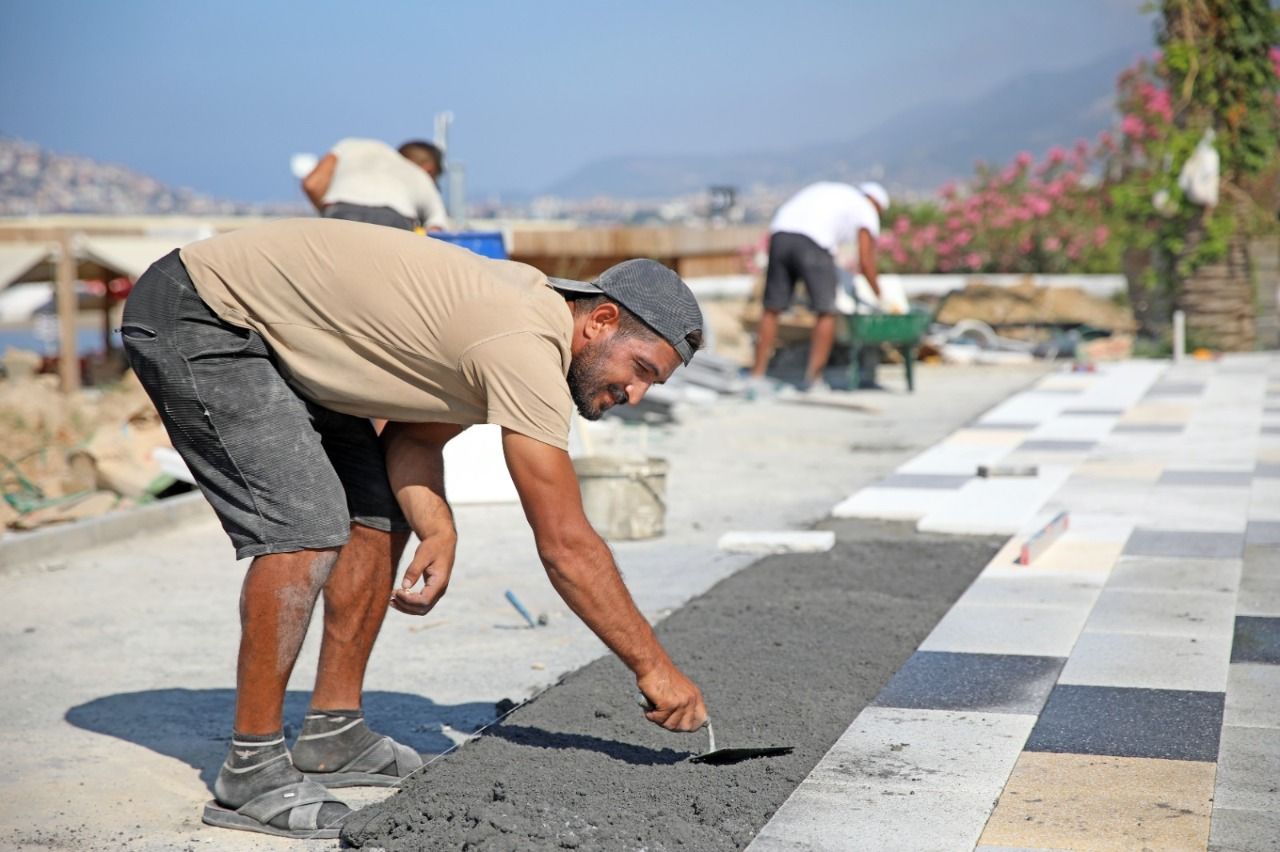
x: 37, y: 181
x: 916, y: 151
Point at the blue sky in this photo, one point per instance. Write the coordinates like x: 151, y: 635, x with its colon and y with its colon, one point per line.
x: 216, y: 96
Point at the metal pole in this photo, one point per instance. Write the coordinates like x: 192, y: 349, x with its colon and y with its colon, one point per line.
x: 68, y: 312
x: 1179, y: 336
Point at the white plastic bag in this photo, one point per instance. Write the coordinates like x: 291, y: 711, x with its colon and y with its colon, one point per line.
x: 1198, y: 179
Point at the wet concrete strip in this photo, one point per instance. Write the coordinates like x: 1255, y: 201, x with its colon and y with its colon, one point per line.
x: 787, y: 651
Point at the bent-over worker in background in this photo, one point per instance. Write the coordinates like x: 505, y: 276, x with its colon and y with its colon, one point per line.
x: 266, y: 352
x: 365, y: 180
x: 804, y: 237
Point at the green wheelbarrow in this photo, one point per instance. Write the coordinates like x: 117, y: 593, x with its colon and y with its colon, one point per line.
x: 902, y: 331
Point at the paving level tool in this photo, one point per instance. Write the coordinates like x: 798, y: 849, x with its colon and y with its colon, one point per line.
x: 1043, y: 538
x: 724, y: 756
x: 987, y: 471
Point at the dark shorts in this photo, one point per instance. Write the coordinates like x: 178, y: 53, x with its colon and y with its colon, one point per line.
x: 373, y: 215
x: 795, y: 257
x: 282, y: 473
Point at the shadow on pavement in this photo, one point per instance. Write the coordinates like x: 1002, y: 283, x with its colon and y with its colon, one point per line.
x: 626, y: 752
x: 193, y: 725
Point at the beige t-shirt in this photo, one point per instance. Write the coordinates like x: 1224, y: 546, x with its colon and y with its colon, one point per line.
x: 373, y: 174
x: 379, y: 322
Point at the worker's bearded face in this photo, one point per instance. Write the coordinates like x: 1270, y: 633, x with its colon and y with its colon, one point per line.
x: 589, y: 380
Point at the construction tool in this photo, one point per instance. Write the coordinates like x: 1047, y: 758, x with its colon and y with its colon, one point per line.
x: 1040, y: 541
x: 723, y: 756
x: 515, y: 602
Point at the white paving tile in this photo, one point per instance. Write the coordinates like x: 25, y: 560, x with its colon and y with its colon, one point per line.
x: 1164, y: 572
x: 996, y: 506
x: 954, y: 459
x: 1149, y: 662
x: 901, y: 779
x: 1077, y: 427
x: 894, y: 504
x: 1163, y: 613
x: 1209, y: 509
x: 1031, y: 407
x: 1070, y: 589
x: 1049, y: 631
x: 1253, y: 696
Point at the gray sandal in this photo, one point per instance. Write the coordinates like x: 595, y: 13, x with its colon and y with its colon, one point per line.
x: 383, y: 764
x: 302, y: 799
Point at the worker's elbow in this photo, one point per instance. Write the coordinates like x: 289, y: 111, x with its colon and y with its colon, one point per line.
x: 563, y: 551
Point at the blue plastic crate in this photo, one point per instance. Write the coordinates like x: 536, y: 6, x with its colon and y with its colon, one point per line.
x: 483, y: 243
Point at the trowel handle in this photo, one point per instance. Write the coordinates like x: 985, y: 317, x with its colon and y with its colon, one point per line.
x: 646, y: 704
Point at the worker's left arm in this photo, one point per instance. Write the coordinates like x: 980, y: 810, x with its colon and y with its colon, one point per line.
x: 867, y: 259
x: 415, y: 468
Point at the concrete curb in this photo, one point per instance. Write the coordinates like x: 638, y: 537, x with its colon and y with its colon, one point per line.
x: 20, y: 549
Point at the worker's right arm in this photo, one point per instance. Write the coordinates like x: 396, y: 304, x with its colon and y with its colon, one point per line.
x: 415, y: 468
x: 316, y: 184
x: 583, y: 572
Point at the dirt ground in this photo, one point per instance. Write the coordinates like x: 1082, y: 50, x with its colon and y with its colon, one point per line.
x: 787, y: 652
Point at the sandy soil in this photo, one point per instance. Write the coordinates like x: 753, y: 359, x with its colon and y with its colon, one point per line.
x: 787, y: 652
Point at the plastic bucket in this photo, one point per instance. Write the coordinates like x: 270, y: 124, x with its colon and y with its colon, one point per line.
x: 624, y: 498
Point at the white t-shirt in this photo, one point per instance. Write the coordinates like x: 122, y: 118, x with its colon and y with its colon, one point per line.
x: 373, y: 174
x: 828, y: 213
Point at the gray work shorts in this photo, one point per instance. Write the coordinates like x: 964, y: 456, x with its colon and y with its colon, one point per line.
x: 795, y: 257
x: 282, y: 473
x: 373, y: 215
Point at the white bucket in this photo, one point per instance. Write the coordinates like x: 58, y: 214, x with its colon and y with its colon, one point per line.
x: 624, y: 498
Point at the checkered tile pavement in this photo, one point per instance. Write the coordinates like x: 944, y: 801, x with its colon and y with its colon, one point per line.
x: 1122, y: 691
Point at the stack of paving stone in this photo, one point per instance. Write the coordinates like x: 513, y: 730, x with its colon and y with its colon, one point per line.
x: 1122, y: 691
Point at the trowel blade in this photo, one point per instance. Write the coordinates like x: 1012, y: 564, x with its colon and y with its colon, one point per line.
x: 723, y: 756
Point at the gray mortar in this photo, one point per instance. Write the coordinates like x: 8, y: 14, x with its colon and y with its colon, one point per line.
x: 787, y: 652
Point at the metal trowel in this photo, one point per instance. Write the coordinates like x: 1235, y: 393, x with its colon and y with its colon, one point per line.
x: 723, y: 756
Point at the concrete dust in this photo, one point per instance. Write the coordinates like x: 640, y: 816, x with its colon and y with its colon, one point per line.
x: 787, y: 652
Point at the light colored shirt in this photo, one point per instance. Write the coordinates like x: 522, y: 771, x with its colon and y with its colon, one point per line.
x: 828, y: 213
x: 373, y: 174
x: 379, y: 322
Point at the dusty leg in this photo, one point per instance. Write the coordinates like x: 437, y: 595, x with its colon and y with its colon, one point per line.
x: 355, y: 604
x: 276, y: 601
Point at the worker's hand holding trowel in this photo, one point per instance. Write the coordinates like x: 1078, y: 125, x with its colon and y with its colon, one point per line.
x: 674, y: 701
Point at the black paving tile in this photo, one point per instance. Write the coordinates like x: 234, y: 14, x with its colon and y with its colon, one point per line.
x: 1052, y: 445
x: 993, y: 683
x: 1257, y: 640
x: 1262, y: 532
x: 1269, y: 470
x: 1173, y: 724
x: 923, y: 480
x: 1149, y: 428
x: 1241, y: 479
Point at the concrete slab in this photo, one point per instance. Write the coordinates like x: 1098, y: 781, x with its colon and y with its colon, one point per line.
x: 995, y: 506
x: 1248, y: 766
x: 1253, y: 694
x: 1158, y: 573
x: 983, y: 629
x: 901, y: 779
x: 1160, y: 612
x: 1150, y: 662
x: 1121, y: 722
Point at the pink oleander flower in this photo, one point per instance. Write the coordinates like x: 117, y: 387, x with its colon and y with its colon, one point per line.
x: 973, y: 260
x: 1107, y: 141
x: 1038, y: 206
x: 899, y: 256
x: 962, y: 238
x: 1056, y: 155
x: 902, y: 225
x: 948, y: 190
x: 1100, y: 235
x: 1055, y: 189
x: 1023, y: 159
x: 1131, y: 125
x: 1052, y: 243
x: 1073, y: 251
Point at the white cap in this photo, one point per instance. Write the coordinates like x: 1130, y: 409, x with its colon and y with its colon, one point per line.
x: 876, y: 193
